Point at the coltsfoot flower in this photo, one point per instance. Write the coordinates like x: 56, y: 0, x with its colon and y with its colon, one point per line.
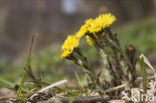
x: 82, y: 31
x: 105, y: 20
x: 92, y: 26
x: 96, y: 25
x: 101, y: 22
x: 65, y: 53
x: 70, y: 43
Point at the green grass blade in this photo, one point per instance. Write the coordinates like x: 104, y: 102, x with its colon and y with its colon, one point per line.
x: 26, y: 69
x: 6, y: 83
x: 78, y: 80
x: 144, y: 75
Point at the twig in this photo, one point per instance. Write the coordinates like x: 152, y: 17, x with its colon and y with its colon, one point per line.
x: 48, y: 87
x: 86, y: 99
x: 123, y: 85
x: 7, y: 97
x: 148, y: 78
x: 53, y: 85
x: 115, y: 88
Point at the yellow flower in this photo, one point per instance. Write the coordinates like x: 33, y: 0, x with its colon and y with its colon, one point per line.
x: 65, y: 53
x: 70, y: 43
x: 94, y: 29
x: 89, y: 21
x: 90, y: 40
x: 96, y: 25
x: 105, y: 20
x: 102, y: 21
x: 82, y: 31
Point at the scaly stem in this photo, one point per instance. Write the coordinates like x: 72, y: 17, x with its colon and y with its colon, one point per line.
x: 118, y: 56
x: 100, y: 48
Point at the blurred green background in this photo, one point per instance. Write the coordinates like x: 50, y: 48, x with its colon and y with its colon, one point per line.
x: 54, y: 20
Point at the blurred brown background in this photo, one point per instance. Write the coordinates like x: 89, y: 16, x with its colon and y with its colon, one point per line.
x: 54, y: 19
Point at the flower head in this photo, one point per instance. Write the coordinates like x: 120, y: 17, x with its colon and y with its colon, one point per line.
x: 65, y: 53
x: 96, y: 25
x: 82, y: 31
x: 102, y: 21
x: 105, y: 20
x: 70, y: 43
x: 92, y: 26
